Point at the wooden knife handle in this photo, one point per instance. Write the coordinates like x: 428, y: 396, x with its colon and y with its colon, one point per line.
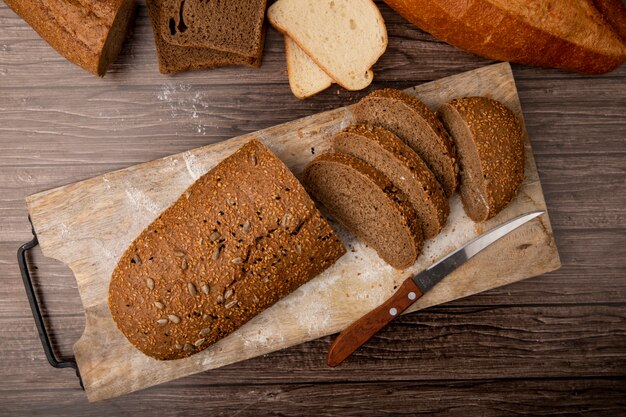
x: 367, y: 326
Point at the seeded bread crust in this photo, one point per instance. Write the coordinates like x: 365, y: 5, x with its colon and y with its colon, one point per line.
x: 410, y: 173
x: 413, y: 110
x: 240, y: 238
x: 490, y: 144
x: 395, y: 198
x: 235, y: 26
x: 174, y: 58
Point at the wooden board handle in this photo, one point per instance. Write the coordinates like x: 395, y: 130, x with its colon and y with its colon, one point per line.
x: 367, y: 326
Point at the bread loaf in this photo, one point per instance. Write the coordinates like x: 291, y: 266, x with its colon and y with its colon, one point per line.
x: 490, y: 145
x: 89, y: 33
x: 551, y: 33
x: 240, y: 238
x: 368, y: 204
x: 393, y: 158
x: 413, y: 122
x: 174, y: 58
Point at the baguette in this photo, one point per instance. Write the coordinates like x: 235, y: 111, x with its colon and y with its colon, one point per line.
x: 553, y: 33
x: 89, y: 33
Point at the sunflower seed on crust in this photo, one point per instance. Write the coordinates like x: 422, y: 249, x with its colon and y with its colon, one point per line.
x: 159, y: 305
x: 192, y: 289
x: 162, y: 322
x: 150, y: 283
x: 231, y: 303
x: 188, y: 347
x: 198, y: 342
x: 174, y: 318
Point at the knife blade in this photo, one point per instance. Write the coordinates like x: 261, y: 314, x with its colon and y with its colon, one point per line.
x: 413, y: 288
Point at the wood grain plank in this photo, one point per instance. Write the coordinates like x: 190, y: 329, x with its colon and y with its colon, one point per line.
x: 440, y: 343
x: 130, y: 124
x: 543, y: 397
x: 591, y: 259
x: 412, y: 55
x: 581, y: 190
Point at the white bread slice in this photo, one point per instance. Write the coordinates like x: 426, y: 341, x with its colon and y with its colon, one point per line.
x: 344, y: 37
x: 305, y: 77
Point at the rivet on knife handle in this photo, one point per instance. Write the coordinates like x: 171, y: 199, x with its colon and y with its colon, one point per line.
x: 367, y: 326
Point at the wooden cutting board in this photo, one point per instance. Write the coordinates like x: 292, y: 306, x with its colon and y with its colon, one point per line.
x: 88, y: 225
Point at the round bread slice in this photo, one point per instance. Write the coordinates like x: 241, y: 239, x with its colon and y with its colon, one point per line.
x: 413, y: 122
x: 368, y: 204
x: 388, y: 154
x: 490, y: 144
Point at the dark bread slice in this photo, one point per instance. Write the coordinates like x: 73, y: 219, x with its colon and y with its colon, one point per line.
x: 368, y: 204
x: 173, y: 58
x: 490, y: 144
x: 89, y: 33
x: 240, y: 238
x: 393, y: 158
x: 413, y: 122
x: 232, y: 26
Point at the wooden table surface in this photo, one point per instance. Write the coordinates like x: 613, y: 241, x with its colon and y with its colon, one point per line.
x: 551, y: 344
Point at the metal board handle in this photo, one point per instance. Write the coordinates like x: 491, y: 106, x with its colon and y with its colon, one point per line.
x: 34, y: 306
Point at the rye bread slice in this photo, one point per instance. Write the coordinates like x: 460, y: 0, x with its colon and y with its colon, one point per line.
x: 413, y: 122
x: 490, y: 144
x: 232, y: 26
x: 368, y: 204
x: 173, y: 58
x: 393, y: 158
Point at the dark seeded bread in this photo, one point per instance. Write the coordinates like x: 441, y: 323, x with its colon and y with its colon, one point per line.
x: 414, y: 123
x: 240, y: 238
x: 490, y: 146
x: 89, y: 33
x: 368, y: 204
x: 392, y: 157
x: 232, y: 26
x: 173, y: 58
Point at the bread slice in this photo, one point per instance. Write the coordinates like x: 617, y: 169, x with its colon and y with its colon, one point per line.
x: 551, y: 33
x: 174, y: 58
x: 88, y: 33
x: 344, y: 37
x: 368, y: 204
x: 233, y: 26
x: 240, y: 238
x: 305, y: 77
x: 413, y: 122
x: 393, y: 158
x: 490, y: 145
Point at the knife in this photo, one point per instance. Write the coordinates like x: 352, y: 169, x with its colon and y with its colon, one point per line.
x: 413, y: 288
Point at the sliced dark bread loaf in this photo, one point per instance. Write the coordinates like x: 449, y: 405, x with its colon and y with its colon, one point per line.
x: 393, y: 158
x: 232, y: 26
x: 368, y: 204
x: 490, y: 144
x: 414, y: 123
x: 173, y: 58
x: 240, y: 238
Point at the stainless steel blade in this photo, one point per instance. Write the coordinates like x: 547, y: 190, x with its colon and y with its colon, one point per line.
x: 428, y: 278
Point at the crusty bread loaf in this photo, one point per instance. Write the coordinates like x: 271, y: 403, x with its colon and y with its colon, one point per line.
x: 344, y: 37
x: 174, y: 58
x: 368, y: 204
x: 305, y: 77
x: 614, y: 13
x: 551, y: 33
x: 240, y: 238
x: 490, y: 145
x: 233, y: 26
x: 89, y: 33
x: 393, y: 158
x: 413, y: 122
